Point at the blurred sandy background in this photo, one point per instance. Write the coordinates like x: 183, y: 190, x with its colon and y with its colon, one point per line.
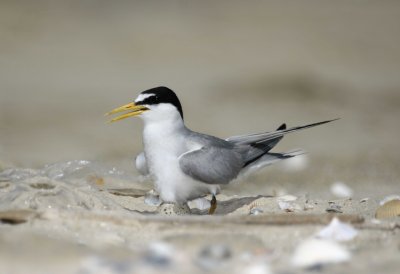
x: 238, y: 67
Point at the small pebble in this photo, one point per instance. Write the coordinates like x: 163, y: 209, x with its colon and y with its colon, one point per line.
x: 334, y: 208
x: 152, y: 199
x: 308, y: 206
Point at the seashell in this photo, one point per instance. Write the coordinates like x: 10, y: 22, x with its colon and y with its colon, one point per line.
x: 390, y: 209
x: 341, y: 190
x: 389, y: 198
x: 287, y: 198
x: 200, y: 203
x: 289, y: 206
x: 337, y: 231
x: 316, y: 252
x: 258, y: 203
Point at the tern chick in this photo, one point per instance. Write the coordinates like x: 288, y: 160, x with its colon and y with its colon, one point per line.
x: 187, y: 165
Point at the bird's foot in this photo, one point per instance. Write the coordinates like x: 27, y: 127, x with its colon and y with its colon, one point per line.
x: 213, y: 206
x: 173, y: 209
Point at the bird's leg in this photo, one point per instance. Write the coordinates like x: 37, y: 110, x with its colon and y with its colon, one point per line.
x: 213, y: 206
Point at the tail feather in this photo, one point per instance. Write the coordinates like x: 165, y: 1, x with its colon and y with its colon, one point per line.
x: 260, y: 138
x: 269, y: 159
x: 258, y: 145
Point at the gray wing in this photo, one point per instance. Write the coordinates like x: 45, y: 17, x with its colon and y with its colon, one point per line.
x: 141, y: 164
x: 211, y: 164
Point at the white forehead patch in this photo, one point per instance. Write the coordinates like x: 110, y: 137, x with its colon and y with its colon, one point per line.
x: 143, y: 96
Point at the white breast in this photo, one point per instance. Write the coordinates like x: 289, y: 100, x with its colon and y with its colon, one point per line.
x: 162, y: 147
x: 165, y: 138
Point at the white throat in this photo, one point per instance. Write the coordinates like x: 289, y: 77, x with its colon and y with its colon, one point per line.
x: 164, y: 132
x: 163, y: 116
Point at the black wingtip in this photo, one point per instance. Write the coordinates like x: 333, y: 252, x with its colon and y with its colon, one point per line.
x: 321, y: 123
x: 308, y: 126
x: 328, y: 121
x: 282, y: 127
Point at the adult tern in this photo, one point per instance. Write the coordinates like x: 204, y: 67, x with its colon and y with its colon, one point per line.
x: 187, y: 165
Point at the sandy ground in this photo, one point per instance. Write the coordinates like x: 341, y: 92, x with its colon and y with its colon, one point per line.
x: 237, y: 68
x: 80, y: 218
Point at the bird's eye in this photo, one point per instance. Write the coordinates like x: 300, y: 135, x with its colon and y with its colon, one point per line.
x: 151, y: 100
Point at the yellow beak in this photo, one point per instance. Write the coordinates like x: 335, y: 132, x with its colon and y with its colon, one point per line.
x: 135, y: 110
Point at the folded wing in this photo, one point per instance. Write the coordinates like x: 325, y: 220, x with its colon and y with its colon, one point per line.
x: 211, y: 164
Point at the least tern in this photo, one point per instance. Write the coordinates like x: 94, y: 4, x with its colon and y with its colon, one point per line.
x: 186, y: 165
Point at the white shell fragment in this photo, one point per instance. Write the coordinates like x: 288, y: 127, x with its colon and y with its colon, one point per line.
x: 341, y: 190
x: 200, y: 203
x: 289, y: 206
x: 287, y: 203
x: 256, y: 211
x: 317, y: 252
x: 287, y: 198
x: 337, y: 231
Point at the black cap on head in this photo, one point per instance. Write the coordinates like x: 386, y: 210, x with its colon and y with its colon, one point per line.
x: 161, y: 95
